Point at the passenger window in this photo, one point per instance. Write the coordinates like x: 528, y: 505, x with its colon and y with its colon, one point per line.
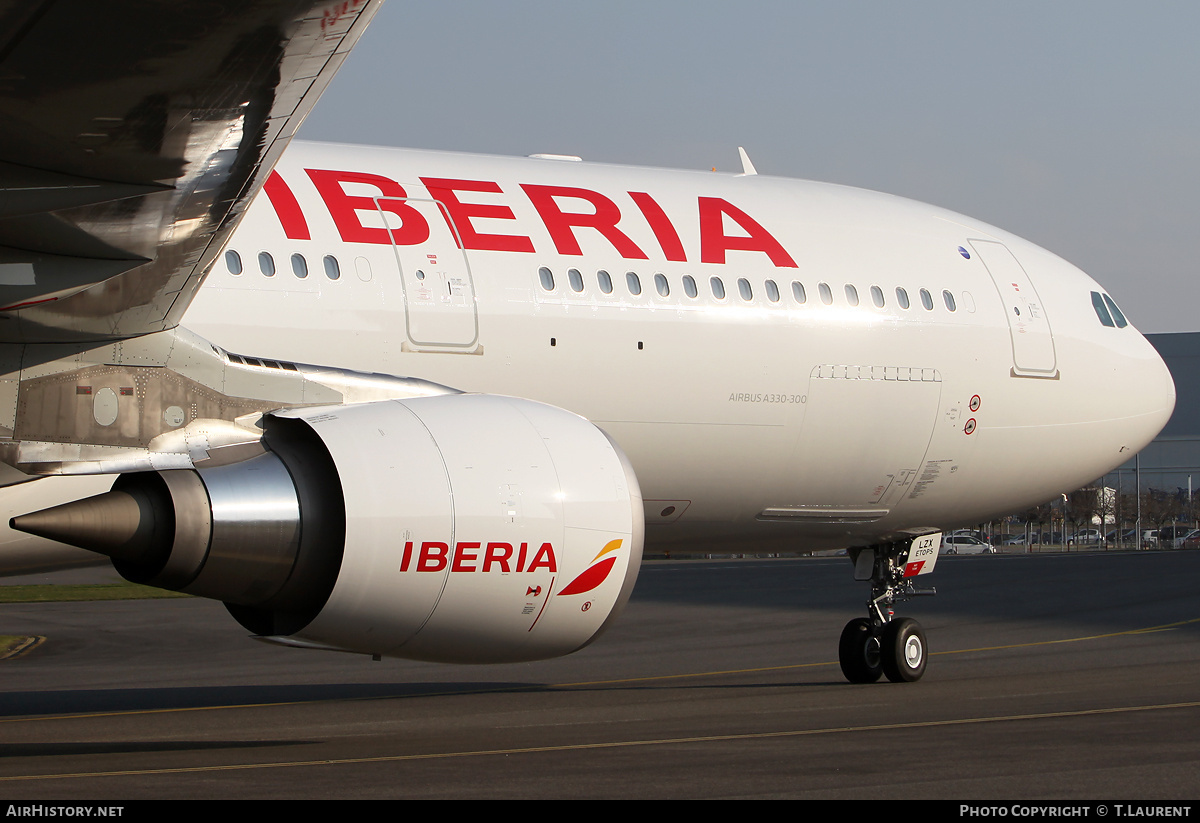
x: 1101, y: 309
x: 634, y: 283
x: 718, y: 288
x: 949, y: 299
x: 661, y: 285
x: 744, y: 289
x: 576, y: 280
x: 332, y: 270
x: 299, y: 266
x: 798, y: 292
x: 233, y: 262
x: 877, y: 296
x: 826, y: 293
x: 605, y: 281
x: 772, y: 291
x: 902, y: 298
x: 547, y: 278
x: 851, y: 295
x: 689, y: 286
x: 1116, y: 313
x: 926, y: 300
x: 266, y: 263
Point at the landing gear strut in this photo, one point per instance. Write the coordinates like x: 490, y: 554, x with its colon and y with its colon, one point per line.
x: 881, y: 643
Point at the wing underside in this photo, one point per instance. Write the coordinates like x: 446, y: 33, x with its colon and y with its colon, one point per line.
x: 133, y: 135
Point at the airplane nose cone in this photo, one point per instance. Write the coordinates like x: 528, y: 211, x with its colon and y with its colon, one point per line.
x: 1159, y: 392
x: 1149, y: 394
x: 1168, y: 401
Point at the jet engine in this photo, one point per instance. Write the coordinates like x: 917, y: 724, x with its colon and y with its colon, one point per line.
x: 463, y: 528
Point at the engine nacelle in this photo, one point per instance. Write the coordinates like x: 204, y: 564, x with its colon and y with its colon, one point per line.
x: 478, y: 529
x: 463, y: 528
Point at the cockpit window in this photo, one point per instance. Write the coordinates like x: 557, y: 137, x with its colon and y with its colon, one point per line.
x: 1116, y: 313
x: 1101, y: 309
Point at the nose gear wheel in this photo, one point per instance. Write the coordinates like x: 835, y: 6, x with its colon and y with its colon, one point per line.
x: 882, y: 644
x: 859, y: 652
x: 903, y: 650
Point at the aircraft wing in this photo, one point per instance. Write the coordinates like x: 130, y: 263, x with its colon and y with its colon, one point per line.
x: 133, y: 135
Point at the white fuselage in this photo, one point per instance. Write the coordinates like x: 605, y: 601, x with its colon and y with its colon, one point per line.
x: 839, y: 420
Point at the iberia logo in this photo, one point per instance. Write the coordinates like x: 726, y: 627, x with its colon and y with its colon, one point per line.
x: 597, y: 572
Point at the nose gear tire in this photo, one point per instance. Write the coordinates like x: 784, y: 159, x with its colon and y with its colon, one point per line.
x: 859, y: 652
x: 903, y: 650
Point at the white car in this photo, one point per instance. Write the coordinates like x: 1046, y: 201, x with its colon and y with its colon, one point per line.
x: 965, y: 544
x: 1086, y: 537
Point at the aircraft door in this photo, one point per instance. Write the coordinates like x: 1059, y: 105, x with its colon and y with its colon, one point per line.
x: 1028, y: 325
x: 440, y: 309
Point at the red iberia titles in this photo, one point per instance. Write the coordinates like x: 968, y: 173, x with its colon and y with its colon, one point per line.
x: 479, y: 217
x: 433, y: 556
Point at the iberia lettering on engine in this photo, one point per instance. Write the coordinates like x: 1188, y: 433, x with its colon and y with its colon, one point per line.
x: 434, y: 556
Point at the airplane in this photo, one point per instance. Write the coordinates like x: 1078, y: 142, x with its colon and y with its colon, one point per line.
x: 435, y: 406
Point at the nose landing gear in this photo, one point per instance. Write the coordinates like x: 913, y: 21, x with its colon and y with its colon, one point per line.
x: 881, y: 643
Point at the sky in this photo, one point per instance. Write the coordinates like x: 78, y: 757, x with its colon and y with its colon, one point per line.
x: 1073, y: 124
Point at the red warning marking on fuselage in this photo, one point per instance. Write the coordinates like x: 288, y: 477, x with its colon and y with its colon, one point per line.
x: 914, y: 568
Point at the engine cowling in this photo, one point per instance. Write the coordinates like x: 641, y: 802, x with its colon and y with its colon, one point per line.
x: 462, y: 528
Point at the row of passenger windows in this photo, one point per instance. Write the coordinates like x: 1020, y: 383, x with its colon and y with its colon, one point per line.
x: 1106, y: 309
x: 633, y: 283
x: 266, y: 264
